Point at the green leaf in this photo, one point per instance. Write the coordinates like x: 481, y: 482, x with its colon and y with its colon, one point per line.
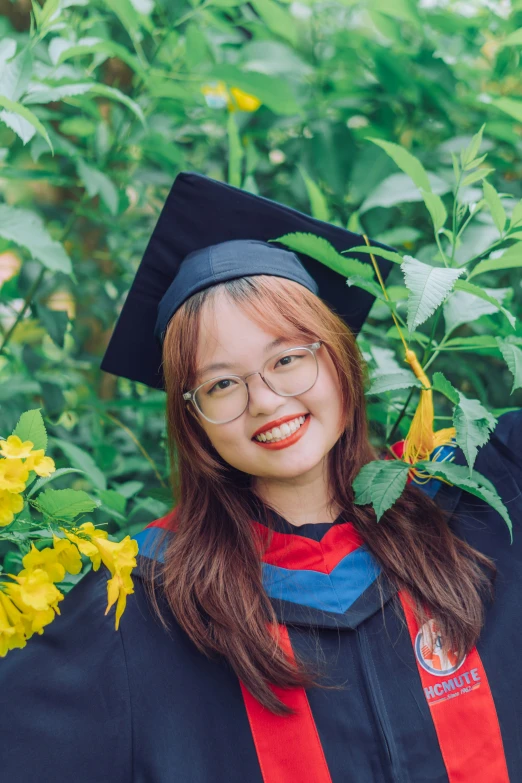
x: 42, y: 93
x: 470, y: 152
x: 381, y: 252
x: 15, y: 75
x: 516, y: 215
x: 510, y: 259
x: 429, y: 286
x: 406, y: 162
x: 392, y: 381
x: 235, y: 152
x: 380, y: 483
x: 462, y: 307
x: 436, y: 209
x: 471, y: 343
x: 398, y: 188
x: 475, y: 176
x: 22, y: 111
x: 320, y: 249
x: 474, y: 483
x: 473, y: 423
x: 471, y: 288
x: 513, y: 39
x: 54, y: 322
x: 372, y: 286
x: 113, y: 500
x: 277, y: 19
x: 513, y: 358
x: 109, y: 48
x: 83, y: 460
x: 498, y: 213
x: 441, y: 384
x: 509, y: 106
x: 26, y: 229
x: 46, y: 479
x: 117, y: 95
x: 64, y: 504
x: 98, y: 183
x: 30, y: 426
x: 318, y: 203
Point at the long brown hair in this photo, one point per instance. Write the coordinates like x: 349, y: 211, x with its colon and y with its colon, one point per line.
x: 212, y: 578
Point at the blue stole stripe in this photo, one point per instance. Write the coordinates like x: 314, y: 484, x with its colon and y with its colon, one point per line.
x: 333, y: 592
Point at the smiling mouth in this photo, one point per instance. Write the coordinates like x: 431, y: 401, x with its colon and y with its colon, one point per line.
x: 277, y: 434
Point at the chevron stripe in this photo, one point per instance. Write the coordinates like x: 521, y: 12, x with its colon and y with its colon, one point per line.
x: 331, y: 592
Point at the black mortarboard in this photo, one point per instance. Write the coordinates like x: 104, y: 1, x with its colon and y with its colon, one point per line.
x: 194, y: 245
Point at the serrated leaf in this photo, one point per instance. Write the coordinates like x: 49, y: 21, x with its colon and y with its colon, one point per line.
x: 64, y: 504
x: 471, y: 288
x: 498, y: 213
x: 473, y: 423
x: 471, y: 343
x: 516, y: 215
x: 46, y: 479
x: 380, y: 485
x: 513, y: 358
x: 320, y: 249
x: 399, y: 189
x: 26, y: 229
x: 436, y: 209
x: 23, y: 129
x: 441, y: 384
x: 474, y: 483
x: 43, y: 93
x: 372, y: 286
x: 462, y: 307
x: 15, y: 75
x: 510, y: 259
x: 98, y: 183
x: 113, y: 500
x: 381, y: 252
x: 393, y: 381
x: 85, y: 46
x: 406, y: 162
x: 429, y: 286
x: 13, y: 107
x: 118, y: 95
x: 83, y: 460
x: 30, y: 426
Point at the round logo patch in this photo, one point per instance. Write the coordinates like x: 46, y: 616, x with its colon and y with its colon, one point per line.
x: 429, y: 652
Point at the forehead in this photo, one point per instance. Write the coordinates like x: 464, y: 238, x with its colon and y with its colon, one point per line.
x: 228, y: 335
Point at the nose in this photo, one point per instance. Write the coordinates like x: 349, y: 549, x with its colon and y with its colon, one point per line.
x: 261, y: 399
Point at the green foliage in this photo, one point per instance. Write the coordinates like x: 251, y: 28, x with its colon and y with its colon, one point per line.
x: 365, y: 114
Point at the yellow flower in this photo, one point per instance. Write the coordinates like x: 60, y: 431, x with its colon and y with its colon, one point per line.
x: 243, y: 100
x: 42, y: 465
x: 10, y: 504
x: 67, y: 554
x: 118, y: 588
x: 120, y: 559
x: 33, y: 591
x: 11, y: 629
x: 13, y: 475
x: 47, y: 559
x: 13, y: 448
x: 85, y: 546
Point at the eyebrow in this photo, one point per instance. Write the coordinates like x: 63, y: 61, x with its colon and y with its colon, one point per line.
x: 224, y: 366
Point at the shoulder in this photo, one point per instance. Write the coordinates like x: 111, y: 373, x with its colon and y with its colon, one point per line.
x: 68, y: 695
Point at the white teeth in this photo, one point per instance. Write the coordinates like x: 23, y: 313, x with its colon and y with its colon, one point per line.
x: 279, y: 433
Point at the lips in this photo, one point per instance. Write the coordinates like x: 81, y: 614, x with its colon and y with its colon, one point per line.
x: 278, y: 422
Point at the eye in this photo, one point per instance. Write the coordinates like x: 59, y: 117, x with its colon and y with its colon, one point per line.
x: 218, y: 387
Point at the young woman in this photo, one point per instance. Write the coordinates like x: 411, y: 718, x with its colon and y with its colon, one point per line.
x: 277, y: 633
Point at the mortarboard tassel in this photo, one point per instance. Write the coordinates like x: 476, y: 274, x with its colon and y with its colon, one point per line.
x: 421, y: 439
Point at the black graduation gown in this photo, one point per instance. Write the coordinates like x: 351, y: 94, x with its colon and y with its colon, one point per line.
x: 85, y: 703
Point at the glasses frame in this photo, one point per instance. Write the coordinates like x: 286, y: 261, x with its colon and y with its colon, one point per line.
x: 191, y: 395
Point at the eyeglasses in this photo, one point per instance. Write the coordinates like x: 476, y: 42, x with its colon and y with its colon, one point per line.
x: 289, y: 373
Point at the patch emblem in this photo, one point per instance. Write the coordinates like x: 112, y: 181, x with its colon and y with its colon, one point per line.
x: 429, y: 652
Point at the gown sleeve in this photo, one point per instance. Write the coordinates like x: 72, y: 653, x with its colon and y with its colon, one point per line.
x: 65, y: 708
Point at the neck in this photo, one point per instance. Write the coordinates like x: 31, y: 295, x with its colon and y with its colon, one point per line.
x: 301, y: 501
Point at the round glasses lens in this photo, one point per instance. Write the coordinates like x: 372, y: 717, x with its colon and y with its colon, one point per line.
x: 222, y: 399
x: 289, y: 373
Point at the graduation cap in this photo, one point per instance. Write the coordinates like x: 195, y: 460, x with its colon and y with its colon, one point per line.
x: 208, y: 232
